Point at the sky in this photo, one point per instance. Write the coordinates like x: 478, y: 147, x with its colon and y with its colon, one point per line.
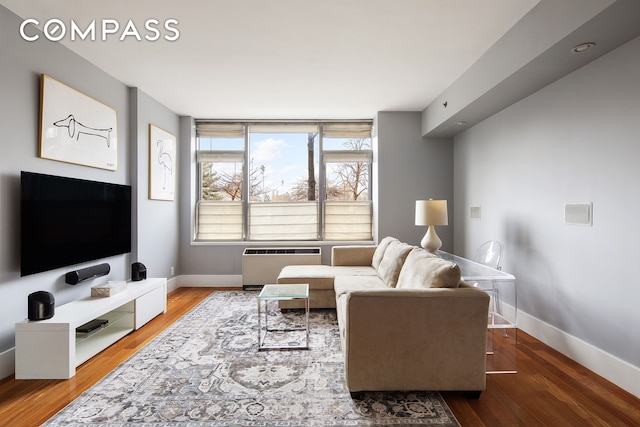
x: 284, y: 157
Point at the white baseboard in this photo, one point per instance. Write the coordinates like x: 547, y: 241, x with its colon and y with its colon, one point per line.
x: 208, y: 281
x: 173, y: 283
x: 619, y: 372
x: 204, y: 281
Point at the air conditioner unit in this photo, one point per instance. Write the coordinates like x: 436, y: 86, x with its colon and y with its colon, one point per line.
x: 262, y: 265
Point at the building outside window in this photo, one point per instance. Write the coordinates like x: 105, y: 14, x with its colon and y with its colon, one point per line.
x: 283, y: 181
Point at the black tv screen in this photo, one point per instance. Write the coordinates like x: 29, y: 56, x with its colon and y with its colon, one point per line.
x: 66, y: 221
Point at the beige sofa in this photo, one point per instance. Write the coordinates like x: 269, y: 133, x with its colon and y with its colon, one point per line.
x: 406, y: 320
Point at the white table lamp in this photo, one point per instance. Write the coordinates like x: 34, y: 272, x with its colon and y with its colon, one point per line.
x: 431, y: 212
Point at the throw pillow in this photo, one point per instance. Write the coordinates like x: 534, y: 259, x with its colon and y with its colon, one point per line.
x: 379, y: 253
x: 422, y: 269
x: 392, y: 261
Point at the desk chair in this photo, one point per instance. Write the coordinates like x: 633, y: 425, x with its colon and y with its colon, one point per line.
x: 490, y: 254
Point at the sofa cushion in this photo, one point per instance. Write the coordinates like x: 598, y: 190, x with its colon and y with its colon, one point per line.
x: 345, y: 284
x: 321, y: 276
x: 317, y: 276
x: 392, y: 261
x: 422, y: 269
x: 349, y: 255
x: 379, y: 253
x: 354, y: 270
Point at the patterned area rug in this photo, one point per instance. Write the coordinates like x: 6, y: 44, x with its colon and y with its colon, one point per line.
x: 205, y: 370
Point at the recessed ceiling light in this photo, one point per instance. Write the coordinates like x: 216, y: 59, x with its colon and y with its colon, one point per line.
x: 583, y: 47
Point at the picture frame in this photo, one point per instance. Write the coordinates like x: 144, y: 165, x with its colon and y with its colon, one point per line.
x: 76, y: 128
x: 162, y: 164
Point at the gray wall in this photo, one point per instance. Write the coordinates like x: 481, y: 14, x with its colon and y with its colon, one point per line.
x: 406, y: 168
x: 21, y: 65
x: 575, y: 141
x: 410, y: 168
x: 157, y: 224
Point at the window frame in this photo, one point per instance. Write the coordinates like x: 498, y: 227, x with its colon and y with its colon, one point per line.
x: 363, y: 129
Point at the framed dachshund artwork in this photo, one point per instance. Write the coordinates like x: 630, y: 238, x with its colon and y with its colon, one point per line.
x: 76, y: 128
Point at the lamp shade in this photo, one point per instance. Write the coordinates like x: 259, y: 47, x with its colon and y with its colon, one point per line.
x: 431, y: 212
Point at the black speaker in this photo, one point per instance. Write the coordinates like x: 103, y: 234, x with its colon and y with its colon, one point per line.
x: 41, y: 305
x: 138, y: 271
x: 77, y: 276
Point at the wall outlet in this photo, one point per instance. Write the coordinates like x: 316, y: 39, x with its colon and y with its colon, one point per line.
x: 474, y: 212
x: 173, y: 271
x: 578, y: 213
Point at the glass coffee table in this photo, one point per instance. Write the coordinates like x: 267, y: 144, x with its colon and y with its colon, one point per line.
x: 275, y: 293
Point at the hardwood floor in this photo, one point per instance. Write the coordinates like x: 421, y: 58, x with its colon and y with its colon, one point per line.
x: 548, y: 390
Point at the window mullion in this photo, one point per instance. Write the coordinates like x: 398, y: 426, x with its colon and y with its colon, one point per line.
x: 370, y: 178
x: 196, y: 228
x: 322, y: 183
x: 246, y: 177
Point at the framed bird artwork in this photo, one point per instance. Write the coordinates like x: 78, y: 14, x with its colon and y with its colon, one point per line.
x: 162, y: 164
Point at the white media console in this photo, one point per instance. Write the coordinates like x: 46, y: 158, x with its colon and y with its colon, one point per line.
x: 51, y: 348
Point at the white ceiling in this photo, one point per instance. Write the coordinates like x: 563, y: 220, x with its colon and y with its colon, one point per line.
x: 289, y: 59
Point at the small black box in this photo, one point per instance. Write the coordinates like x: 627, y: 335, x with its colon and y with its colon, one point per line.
x: 41, y: 305
x: 138, y: 271
x: 92, y: 325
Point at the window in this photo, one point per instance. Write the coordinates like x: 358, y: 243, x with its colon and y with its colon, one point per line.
x: 283, y: 181
x: 347, y: 158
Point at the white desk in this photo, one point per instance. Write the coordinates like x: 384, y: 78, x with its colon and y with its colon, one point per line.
x: 502, y: 334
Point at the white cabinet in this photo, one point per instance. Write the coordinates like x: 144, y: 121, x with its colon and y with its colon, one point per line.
x: 146, y: 306
x: 51, y: 348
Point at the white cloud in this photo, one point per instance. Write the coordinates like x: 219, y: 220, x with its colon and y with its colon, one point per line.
x: 268, y: 150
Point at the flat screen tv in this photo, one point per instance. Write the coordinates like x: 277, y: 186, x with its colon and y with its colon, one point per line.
x: 67, y: 221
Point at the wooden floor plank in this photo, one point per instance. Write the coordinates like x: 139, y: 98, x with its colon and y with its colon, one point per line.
x: 549, y: 388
